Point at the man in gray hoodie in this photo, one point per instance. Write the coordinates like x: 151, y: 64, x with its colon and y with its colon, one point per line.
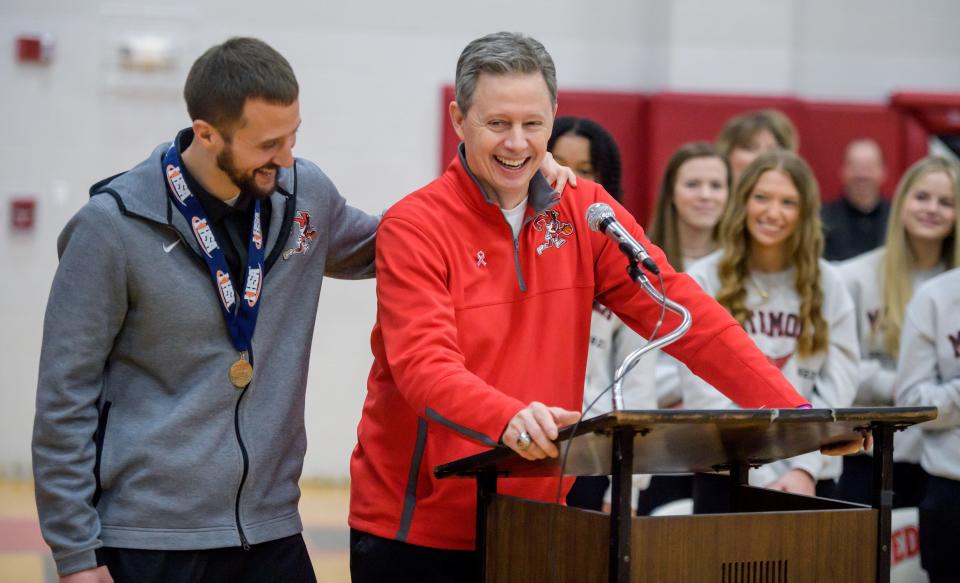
x: 168, y: 439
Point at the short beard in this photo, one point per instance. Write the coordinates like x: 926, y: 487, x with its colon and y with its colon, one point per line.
x: 246, y: 182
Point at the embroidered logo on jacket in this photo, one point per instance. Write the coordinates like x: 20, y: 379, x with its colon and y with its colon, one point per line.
x: 554, y: 230
x: 481, y: 259
x: 305, y: 235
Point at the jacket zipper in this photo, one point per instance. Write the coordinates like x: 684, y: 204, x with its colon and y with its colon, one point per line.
x: 516, y: 249
x: 516, y: 261
x: 236, y: 426
x: 285, y: 229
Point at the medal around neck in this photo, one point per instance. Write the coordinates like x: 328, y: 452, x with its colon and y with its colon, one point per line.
x: 239, y: 311
x: 241, y: 373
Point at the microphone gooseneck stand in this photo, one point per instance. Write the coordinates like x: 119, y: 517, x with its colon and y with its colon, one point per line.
x: 621, y: 468
x: 644, y: 282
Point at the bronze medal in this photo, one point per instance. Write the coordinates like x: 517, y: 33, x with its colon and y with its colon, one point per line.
x: 241, y: 373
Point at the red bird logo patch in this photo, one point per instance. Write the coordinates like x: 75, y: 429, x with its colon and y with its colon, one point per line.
x: 554, y: 230
x: 305, y: 234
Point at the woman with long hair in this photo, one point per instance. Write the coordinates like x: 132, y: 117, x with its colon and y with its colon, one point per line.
x: 589, y: 150
x: 921, y: 242
x: 693, y: 194
x: 692, y: 197
x: 770, y: 277
x: 753, y: 133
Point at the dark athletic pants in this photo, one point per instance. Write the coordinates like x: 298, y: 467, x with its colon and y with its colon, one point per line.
x: 587, y: 492
x: 940, y: 530
x: 284, y: 559
x: 374, y: 560
x: 856, y: 482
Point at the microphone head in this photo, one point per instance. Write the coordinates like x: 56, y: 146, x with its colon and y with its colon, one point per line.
x: 596, y: 213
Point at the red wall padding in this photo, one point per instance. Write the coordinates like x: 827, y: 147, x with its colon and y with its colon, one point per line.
x: 649, y: 128
x: 678, y: 118
x: 826, y: 129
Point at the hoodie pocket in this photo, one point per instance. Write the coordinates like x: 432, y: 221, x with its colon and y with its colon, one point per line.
x: 98, y: 440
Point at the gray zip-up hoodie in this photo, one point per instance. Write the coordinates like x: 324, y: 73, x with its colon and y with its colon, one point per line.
x: 140, y: 440
x: 929, y: 371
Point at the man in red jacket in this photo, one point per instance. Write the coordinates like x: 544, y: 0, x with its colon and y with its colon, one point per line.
x: 485, y: 282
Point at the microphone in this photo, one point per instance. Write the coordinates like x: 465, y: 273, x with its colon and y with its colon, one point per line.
x: 602, y: 219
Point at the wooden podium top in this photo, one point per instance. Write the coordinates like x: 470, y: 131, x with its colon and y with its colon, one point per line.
x: 683, y: 441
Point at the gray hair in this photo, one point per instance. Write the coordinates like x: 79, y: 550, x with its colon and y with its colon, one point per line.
x: 502, y: 53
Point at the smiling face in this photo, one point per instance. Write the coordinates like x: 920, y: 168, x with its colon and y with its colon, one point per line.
x: 700, y: 192
x: 773, y: 211
x: 742, y: 155
x: 261, y: 144
x: 929, y: 209
x: 505, y: 132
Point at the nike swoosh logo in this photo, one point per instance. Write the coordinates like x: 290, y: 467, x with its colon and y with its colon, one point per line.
x: 169, y: 248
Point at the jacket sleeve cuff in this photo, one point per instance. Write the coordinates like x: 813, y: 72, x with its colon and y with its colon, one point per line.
x: 77, y: 561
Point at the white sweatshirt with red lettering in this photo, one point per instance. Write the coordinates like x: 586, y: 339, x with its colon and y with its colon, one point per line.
x: 827, y: 379
x: 863, y: 276
x: 929, y: 370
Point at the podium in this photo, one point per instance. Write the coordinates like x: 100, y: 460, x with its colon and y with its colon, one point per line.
x: 766, y: 536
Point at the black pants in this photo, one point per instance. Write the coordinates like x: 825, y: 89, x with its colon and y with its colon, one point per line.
x: 587, y: 492
x: 940, y: 530
x: 284, y: 559
x: 374, y: 560
x: 711, y: 493
x: 856, y: 483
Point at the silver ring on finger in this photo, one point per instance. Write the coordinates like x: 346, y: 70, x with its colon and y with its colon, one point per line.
x: 524, y: 441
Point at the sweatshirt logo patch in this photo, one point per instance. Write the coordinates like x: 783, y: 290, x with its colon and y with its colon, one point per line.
x: 773, y: 324
x: 554, y: 230
x: 779, y: 361
x: 305, y: 235
x: 481, y: 259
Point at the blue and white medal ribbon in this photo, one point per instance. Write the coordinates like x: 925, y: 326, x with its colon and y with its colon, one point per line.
x: 240, y: 313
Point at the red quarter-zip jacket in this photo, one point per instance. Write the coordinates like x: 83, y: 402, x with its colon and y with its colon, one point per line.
x: 472, y: 325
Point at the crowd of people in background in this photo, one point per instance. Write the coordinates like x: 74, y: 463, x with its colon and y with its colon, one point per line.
x: 856, y: 301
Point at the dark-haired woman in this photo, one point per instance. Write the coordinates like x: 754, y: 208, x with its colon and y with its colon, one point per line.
x: 589, y: 150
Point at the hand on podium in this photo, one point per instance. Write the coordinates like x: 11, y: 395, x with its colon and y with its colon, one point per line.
x: 849, y: 447
x: 531, y: 432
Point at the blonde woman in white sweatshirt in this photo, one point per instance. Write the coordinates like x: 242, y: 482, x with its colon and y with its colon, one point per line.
x: 794, y: 305
x: 921, y: 243
x: 928, y: 374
